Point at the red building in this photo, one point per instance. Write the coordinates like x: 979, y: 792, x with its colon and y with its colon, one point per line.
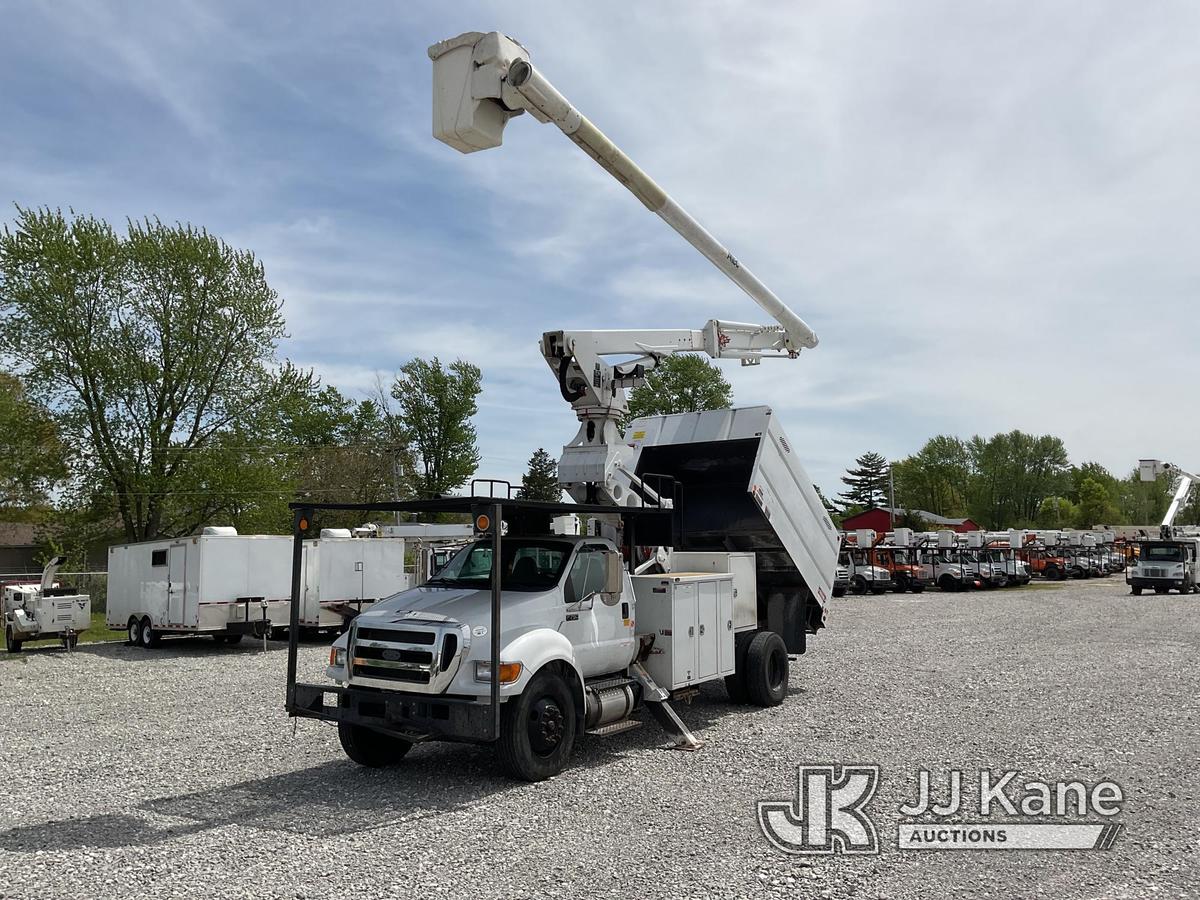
x: 879, y: 520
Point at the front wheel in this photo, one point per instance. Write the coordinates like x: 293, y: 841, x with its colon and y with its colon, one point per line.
x: 1137, y: 591
x: 1052, y: 573
x: 11, y: 644
x: 371, y: 748
x: 858, y: 585
x: 766, y: 669
x: 537, y: 729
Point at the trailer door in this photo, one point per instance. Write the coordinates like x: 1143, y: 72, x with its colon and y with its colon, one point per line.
x: 176, y: 583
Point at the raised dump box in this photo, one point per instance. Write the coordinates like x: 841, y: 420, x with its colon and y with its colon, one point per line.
x: 743, y: 490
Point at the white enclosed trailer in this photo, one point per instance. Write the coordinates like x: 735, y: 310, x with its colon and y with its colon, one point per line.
x: 219, y: 583
x: 344, y: 574
x: 43, y: 610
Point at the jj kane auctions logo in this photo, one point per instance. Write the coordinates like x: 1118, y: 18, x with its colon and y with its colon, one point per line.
x: 828, y: 813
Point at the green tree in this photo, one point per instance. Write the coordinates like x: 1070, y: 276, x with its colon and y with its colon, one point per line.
x: 32, y: 456
x: 1011, y: 474
x: 1056, y: 512
x: 867, y: 482
x: 1143, y: 502
x: 540, y: 481
x: 680, y: 383
x: 936, y: 478
x: 436, y: 404
x: 151, y: 347
x: 1095, y: 505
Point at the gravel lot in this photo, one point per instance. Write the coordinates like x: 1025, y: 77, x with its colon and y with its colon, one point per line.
x: 175, y: 772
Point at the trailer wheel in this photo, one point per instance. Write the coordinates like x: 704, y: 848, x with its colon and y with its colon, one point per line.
x: 371, y: 748
x: 766, y: 669
x: 133, y: 631
x: 11, y: 644
x: 149, y: 635
x: 537, y: 729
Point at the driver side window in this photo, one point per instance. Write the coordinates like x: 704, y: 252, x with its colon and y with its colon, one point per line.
x: 586, y: 576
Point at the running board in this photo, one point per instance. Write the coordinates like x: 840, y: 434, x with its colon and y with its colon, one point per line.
x: 613, y: 728
x: 657, y: 701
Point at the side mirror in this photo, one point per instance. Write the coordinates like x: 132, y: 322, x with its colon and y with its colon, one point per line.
x: 614, y: 573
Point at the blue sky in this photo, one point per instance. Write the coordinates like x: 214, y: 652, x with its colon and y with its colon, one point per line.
x: 988, y: 212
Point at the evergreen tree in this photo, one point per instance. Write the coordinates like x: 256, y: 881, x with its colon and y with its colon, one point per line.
x: 867, y: 483
x: 540, y: 482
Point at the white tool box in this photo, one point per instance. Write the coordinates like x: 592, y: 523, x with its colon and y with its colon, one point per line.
x: 691, y: 618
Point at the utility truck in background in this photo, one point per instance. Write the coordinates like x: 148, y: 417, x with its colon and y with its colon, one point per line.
x: 707, y: 553
x: 44, y: 610
x: 1172, y: 560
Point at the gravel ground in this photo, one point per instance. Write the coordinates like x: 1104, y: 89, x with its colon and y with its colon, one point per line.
x: 175, y: 773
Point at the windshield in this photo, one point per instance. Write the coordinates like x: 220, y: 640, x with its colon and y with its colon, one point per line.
x: 1163, y: 553
x: 526, y: 564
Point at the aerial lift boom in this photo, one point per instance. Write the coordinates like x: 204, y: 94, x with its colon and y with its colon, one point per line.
x: 1151, y: 469
x: 480, y: 81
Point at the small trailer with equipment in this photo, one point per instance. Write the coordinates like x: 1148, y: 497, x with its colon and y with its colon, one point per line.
x: 44, y: 610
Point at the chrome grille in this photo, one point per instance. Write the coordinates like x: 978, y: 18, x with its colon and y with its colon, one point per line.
x: 420, y: 656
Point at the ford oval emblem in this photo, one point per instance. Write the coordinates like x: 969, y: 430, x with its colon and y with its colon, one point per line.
x: 479, y: 630
x: 391, y: 655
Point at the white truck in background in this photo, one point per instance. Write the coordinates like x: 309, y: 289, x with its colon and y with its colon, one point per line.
x: 580, y: 633
x: 1172, y: 560
x: 44, y: 610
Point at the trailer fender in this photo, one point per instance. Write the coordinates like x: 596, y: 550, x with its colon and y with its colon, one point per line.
x: 536, y: 650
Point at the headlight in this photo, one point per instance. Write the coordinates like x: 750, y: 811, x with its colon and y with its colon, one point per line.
x: 337, y: 658
x: 509, y: 672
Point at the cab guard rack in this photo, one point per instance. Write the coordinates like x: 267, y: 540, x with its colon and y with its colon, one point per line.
x: 458, y: 718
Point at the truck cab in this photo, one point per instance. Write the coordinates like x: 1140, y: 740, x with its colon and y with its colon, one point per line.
x: 1164, y: 565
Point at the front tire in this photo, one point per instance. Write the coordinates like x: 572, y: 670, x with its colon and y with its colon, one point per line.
x: 1137, y: 591
x: 858, y: 585
x: 766, y: 669
x: 11, y: 644
x: 1052, y: 573
x: 537, y: 729
x: 371, y: 748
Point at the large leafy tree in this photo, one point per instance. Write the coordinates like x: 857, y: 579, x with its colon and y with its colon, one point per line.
x: 33, y: 458
x: 152, y: 348
x: 867, y: 481
x: 1012, y: 473
x: 436, y: 404
x: 936, y: 478
x: 680, y: 383
x: 540, y: 481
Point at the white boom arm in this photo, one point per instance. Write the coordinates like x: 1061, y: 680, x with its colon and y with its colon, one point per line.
x: 480, y: 81
x: 1150, y: 469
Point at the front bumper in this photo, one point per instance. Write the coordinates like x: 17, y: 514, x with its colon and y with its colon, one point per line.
x: 1170, y: 584
x: 409, y: 715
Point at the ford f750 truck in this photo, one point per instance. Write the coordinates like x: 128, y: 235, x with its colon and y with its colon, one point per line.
x: 529, y: 640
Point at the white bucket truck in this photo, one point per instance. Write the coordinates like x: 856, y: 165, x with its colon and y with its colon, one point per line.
x: 36, y: 612
x: 532, y: 638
